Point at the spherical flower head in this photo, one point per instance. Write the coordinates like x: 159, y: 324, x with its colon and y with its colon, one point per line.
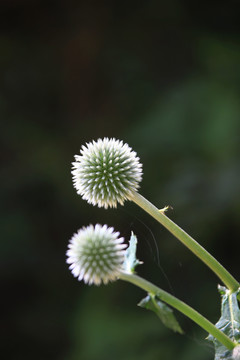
x: 106, y: 172
x: 96, y: 254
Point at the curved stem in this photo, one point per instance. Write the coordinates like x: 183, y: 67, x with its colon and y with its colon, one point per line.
x: 180, y: 306
x: 188, y: 241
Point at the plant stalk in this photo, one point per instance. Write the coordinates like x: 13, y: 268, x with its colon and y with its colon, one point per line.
x: 227, y: 279
x: 180, y: 306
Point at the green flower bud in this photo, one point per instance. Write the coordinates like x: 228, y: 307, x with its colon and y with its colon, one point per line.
x: 106, y: 172
x: 96, y: 254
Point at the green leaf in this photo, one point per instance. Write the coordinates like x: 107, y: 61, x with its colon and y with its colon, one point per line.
x: 229, y: 323
x: 131, y: 261
x: 164, y: 312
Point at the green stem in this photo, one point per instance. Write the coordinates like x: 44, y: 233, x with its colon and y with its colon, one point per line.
x: 180, y: 306
x: 188, y: 241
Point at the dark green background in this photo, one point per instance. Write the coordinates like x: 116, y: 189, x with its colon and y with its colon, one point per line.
x: 163, y: 76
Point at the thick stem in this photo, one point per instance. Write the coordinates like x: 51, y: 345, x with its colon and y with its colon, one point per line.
x: 188, y: 241
x: 180, y: 306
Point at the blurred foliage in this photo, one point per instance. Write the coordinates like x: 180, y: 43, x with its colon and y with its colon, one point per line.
x: 229, y: 323
x: 162, y: 76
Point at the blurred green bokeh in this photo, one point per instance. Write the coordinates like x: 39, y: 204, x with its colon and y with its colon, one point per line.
x: 163, y: 77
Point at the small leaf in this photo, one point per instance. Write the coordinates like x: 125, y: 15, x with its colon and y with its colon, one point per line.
x: 166, y: 208
x: 229, y: 323
x: 164, y: 312
x: 131, y: 261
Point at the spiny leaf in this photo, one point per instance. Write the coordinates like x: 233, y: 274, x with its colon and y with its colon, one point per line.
x: 131, y: 261
x: 164, y: 312
x: 229, y: 323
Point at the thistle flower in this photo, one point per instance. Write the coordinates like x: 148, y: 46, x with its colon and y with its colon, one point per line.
x: 106, y: 172
x: 96, y: 254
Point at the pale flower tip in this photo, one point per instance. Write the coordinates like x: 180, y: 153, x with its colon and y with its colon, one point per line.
x: 107, y: 172
x: 96, y: 254
x: 236, y: 353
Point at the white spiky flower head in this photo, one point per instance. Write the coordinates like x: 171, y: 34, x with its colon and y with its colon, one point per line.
x: 106, y: 172
x: 96, y: 254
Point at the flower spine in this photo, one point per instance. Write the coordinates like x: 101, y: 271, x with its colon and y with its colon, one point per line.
x: 106, y: 173
x: 96, y: 254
